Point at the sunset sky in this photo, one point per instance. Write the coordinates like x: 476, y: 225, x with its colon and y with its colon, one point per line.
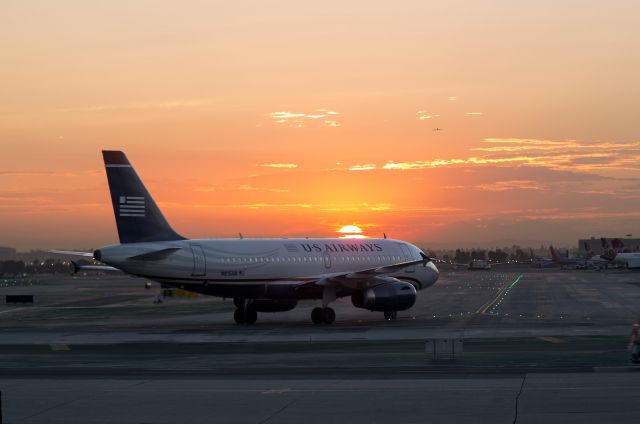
x: 295, y: 118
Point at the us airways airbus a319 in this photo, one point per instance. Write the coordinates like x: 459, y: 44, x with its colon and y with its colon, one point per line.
x: 261, y: 275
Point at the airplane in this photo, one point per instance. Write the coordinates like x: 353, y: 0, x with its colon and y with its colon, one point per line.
x: 437, y: 129
x: 629, y: 260
x: 566, y: 261
x: 261, y: 275
x: 594, y: 261
x: 540, y: 261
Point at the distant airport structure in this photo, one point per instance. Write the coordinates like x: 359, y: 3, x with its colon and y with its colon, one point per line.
x: 7, y: 253
x: 596, y: 245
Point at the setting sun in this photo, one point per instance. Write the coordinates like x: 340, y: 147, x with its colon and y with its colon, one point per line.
x: 351, y: 231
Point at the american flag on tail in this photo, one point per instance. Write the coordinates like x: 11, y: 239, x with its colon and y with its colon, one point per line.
x: 132, y: 206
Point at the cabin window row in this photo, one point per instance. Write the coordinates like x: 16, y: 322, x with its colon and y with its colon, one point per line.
x: 307, y: 259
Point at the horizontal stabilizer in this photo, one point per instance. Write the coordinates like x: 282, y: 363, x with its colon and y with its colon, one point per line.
x: 156, y: 255
x: 72, y: 253
x: 98, y: 268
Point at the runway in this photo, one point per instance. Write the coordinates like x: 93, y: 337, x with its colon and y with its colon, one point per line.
x: 547, y: 341
x: 515, y: 302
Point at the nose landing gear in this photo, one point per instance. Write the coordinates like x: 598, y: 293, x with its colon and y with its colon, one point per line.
x: 323, y: 315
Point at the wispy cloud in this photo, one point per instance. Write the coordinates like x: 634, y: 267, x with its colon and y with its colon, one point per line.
x: 47, y: 173
x: 151, y: 105
x: 424, y: 115
x: 362, y: 167
x: 567, y: 154
x: 474, y: 113
x: 504, y: 186
x: 322, y: 117
x: 603, y: 158
x: 239, y: 187
x: 349, y: 207
x: 279, y: 165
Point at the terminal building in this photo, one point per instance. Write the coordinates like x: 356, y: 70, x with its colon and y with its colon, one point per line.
x: 595, y: 243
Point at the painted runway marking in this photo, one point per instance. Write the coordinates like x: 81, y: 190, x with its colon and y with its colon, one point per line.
x: 59, y: 347
x: 276, y: 391
x: 498, y: 298
x: 551, y: 339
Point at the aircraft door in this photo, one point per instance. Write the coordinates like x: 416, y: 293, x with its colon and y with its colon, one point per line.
x: 199, y: 261
x: 407, y: 257
x: 327, y: 260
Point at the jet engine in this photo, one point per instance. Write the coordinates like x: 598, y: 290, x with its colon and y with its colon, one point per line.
x: 390, y: 295
x: 269, y: 305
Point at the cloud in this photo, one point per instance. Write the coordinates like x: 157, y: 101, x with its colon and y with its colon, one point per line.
x: 164, y: 104
x: 279, y: 165
x: 363, y: 167
x: 511, y: 185
x: 474, y: 113
x: 239, y: 187
x: 598, y: 157
x: 47, y: 173
x: 503, y: 186
x: 300, y: 119
x: 452, y: 98
x: 604, y: 159
x: 424, y: 115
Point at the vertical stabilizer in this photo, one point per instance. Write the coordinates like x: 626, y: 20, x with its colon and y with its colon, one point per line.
x: 554, y: 254
x: 137, y: 215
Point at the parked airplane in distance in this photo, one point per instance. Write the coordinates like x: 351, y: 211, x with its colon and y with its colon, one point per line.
x: 618, y: 256
x: 565, y: 261
x: 540, y: 261
x: 261, y: 275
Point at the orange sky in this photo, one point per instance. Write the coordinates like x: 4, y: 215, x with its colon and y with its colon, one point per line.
x: 538, y: 105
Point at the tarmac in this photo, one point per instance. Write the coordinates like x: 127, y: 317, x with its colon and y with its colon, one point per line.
x: 539, y: 345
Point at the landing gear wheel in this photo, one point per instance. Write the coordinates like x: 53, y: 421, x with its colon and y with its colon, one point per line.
x: 250, y: 316
x: 316, y: 316
x: 238, y: 316
x: 389, y: 315
x: 328, y: 315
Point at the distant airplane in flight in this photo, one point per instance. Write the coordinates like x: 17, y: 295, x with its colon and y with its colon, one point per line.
x: 261, y: 275
x: 437, y: 129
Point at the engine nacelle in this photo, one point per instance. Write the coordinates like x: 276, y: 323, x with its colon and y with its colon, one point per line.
x: 388, y: 296
x: 269, y: 305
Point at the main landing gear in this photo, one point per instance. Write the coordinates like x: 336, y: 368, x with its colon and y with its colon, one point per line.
x: 245, y: 313
x: 389, y: 315
x: 324, y: 315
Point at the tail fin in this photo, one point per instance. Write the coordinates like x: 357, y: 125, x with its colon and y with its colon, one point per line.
x: 617, y: 244
x: 554, y: 254
x: 137, y: 215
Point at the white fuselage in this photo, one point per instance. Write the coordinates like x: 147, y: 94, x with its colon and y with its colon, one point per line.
x: 629, y: 260
x: 268, y: 261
